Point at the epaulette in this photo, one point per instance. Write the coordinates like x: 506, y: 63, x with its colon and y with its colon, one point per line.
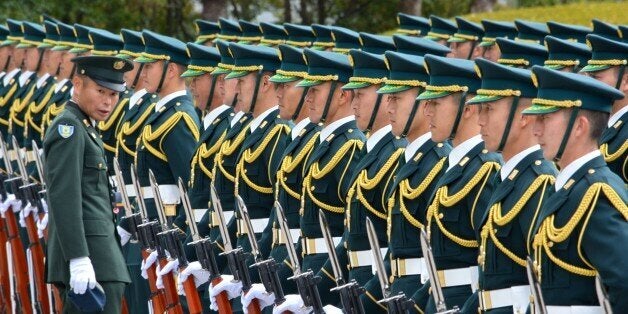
x: 543, y: 166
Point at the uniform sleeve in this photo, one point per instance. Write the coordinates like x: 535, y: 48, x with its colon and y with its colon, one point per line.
x: 604, y: 245
x: 63, y: 171
x: 178, y: 146
x: 346, y: 166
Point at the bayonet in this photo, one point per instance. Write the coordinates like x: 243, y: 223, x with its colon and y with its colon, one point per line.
x: 139, y: 194
x: 161, y: 213
x: 535, y: 287
x: 134, y: 219
x: 38, y: 163
x: 602, y: 295
x: 437, y: 291
x: 7, y: 159
x: 20, y: 161
x: 189, y: 212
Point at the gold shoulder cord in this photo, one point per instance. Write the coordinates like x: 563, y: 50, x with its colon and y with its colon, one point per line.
x: 35, y: 108
x: 18, y: 106
x: 148, y: 135
x: 443, y: 198
x: 289, y: 164
x: 7, y: 96
x: 406, y: 192
x: 114, y: 117
x: 364, y: 183
x: 127, y: 129
x: 549, y: 234
x: 496, y: 219
x: 315, y: 172
x: 250, y: 157
x: 608, y: 156
x: 227, y: 148
x: 202, y: 153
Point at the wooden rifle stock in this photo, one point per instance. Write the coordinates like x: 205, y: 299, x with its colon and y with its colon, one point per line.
x: 5, y: 283
x: 191, y: 295
x: 224, y: 306
x: 19, y: 262
x: 156, y: 295
x: 172, y: 296
x: 37, y: 253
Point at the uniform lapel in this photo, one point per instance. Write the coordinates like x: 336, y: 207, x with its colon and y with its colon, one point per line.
x: 612, y: 131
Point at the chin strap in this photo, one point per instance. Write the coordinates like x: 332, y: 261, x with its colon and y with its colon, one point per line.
x: 295, y: 115
x: 258, y: 79
x: 137, y: 76
x: 6, y: 65
x: 454, y: 129
x: 622, y: 70
x: 511, y: 117
x: 41, y: 58
x: 163, y: 76
x: 473, y: 44
x: 211, y: 93
x: 73, y: 70
x: 563, y: 142
x: 374, y: 113
x: 415, y: 108
x: 330, y: 96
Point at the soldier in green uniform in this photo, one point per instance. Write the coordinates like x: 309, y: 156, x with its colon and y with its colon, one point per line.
x: 492, y: 31
x: 323, y: 40
x: 441, y: 29
x: 83, y: 248
x: 521, y: 54
x: 272, y: 34
x: 206, y: 32
x: 463, y: 191
x: 370, y: 177
x: 5, y: 51
x: 63, y: 88
x: 608, y: 64
x: 606, y: 30
x: 251, y: 33
x: 412, y: 25
x: 344, y: 39
x: 582, y: 228
x: 569, y: 32
x: 521, y: 187
x: 140, y: 105
x: 464, y: 43
x: 532, y: 32
x: 566, y: 55
x: 11, y: 79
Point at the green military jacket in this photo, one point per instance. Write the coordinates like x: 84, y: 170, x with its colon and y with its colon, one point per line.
x: 256, y: 172
x: 82, y: 222
x: 581, y: 231
x: 110, y: 128
x: 131, y: 127
x: 615, y: 147
x: 54, y: 106
x: 7, y: 92
x: 457, y: 205
x: 19, y: 108
x: 166, y: 146
x: 34, y: 115
x: 506, y: 225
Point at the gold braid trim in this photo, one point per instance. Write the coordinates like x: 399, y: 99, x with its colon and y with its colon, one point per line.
x: 201, y: 68
x: 414, y: 32
x: 225, y: 66
x: 204, y: 153
x: 250, y: 68
x: 499, y: 92
x: 438, y: 35
x: 114, y: 117
x: 298, y: 43
x: 130, y: 53
x: 364, y: 183
x: 562, y: 62
x: 155, y: 56
x: 128, y: 129
x: 608, y: 62
x: 289, y: 164
x: 8, y: 95
x: 369, y: 80
x: 326, y: 44
x: 467, y: 37
x: 409, y: 193
x: 442, y: 198
x: 227, y: 149
x: 514, y: 61
x: 148, y: 135
x: 557, y: 103
x: 495, y: 217
x: 272, y: 41
x: 449, y: 88
x: 36, y: 108
x: 609, y: 157
x: 549, y: 234
x: 413, y: 83
x: 330, y: 77
x: 250, y: 157
x: 292, y: 73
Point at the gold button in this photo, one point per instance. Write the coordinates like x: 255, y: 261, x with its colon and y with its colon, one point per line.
x: 591, y: 171
x: 100, y: 165
x: 312, y: 188
x: 350, y: 131
x: 439, y: 145
x: 244, y: 170
x: 484, y: 151
x: 550, y: 244
x: 441, y: 215
x: 538, y: 162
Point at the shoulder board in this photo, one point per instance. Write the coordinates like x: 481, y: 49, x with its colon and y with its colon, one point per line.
x: 442, y: 149
x: 487, y: 156
x: 542, y: 166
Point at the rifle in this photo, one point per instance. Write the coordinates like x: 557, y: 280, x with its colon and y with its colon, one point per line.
x: 396, y: 304
x: 349, y: 291
x: 134, y: 219
x: 306, y: 281
x: 236, y: 258
x: 602, y: 295
x: 5, y: 279
x: 161, y: 231
x: 267, y: 269
x: 177, y: 251
x: 20, y: 269
x: 437, y: 291
x: 147, y: 240
x: 538, y: 304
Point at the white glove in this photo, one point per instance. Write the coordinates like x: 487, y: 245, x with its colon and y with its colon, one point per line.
x: 148, y: 262
x: 42, y: 224
x: 28, y: 210
x: 231, y: 287
x: 82, y: 275
x: 293, y: 303
x: 258, y: 292
x: 330, y: 309
x: 172, y: 266
x: 10, y: 202
x: 195, y: 269
x: 125, y: 236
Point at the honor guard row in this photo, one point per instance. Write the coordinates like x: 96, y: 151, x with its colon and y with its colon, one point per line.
x: 453, y: 167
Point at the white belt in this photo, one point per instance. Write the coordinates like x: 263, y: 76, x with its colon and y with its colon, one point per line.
x: 130, y: 190
x: 316, y: 245
x: 228, y: 215
x: 31, y: 155
x: 518, y: 297
x: 574, y: 309
x: 169, y: 193
x: 198, y: 213
x: 258, y: 224
x: 279, y: 238
x: 408, y: 267
x: 363, y: 258
x: 459, y: 277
